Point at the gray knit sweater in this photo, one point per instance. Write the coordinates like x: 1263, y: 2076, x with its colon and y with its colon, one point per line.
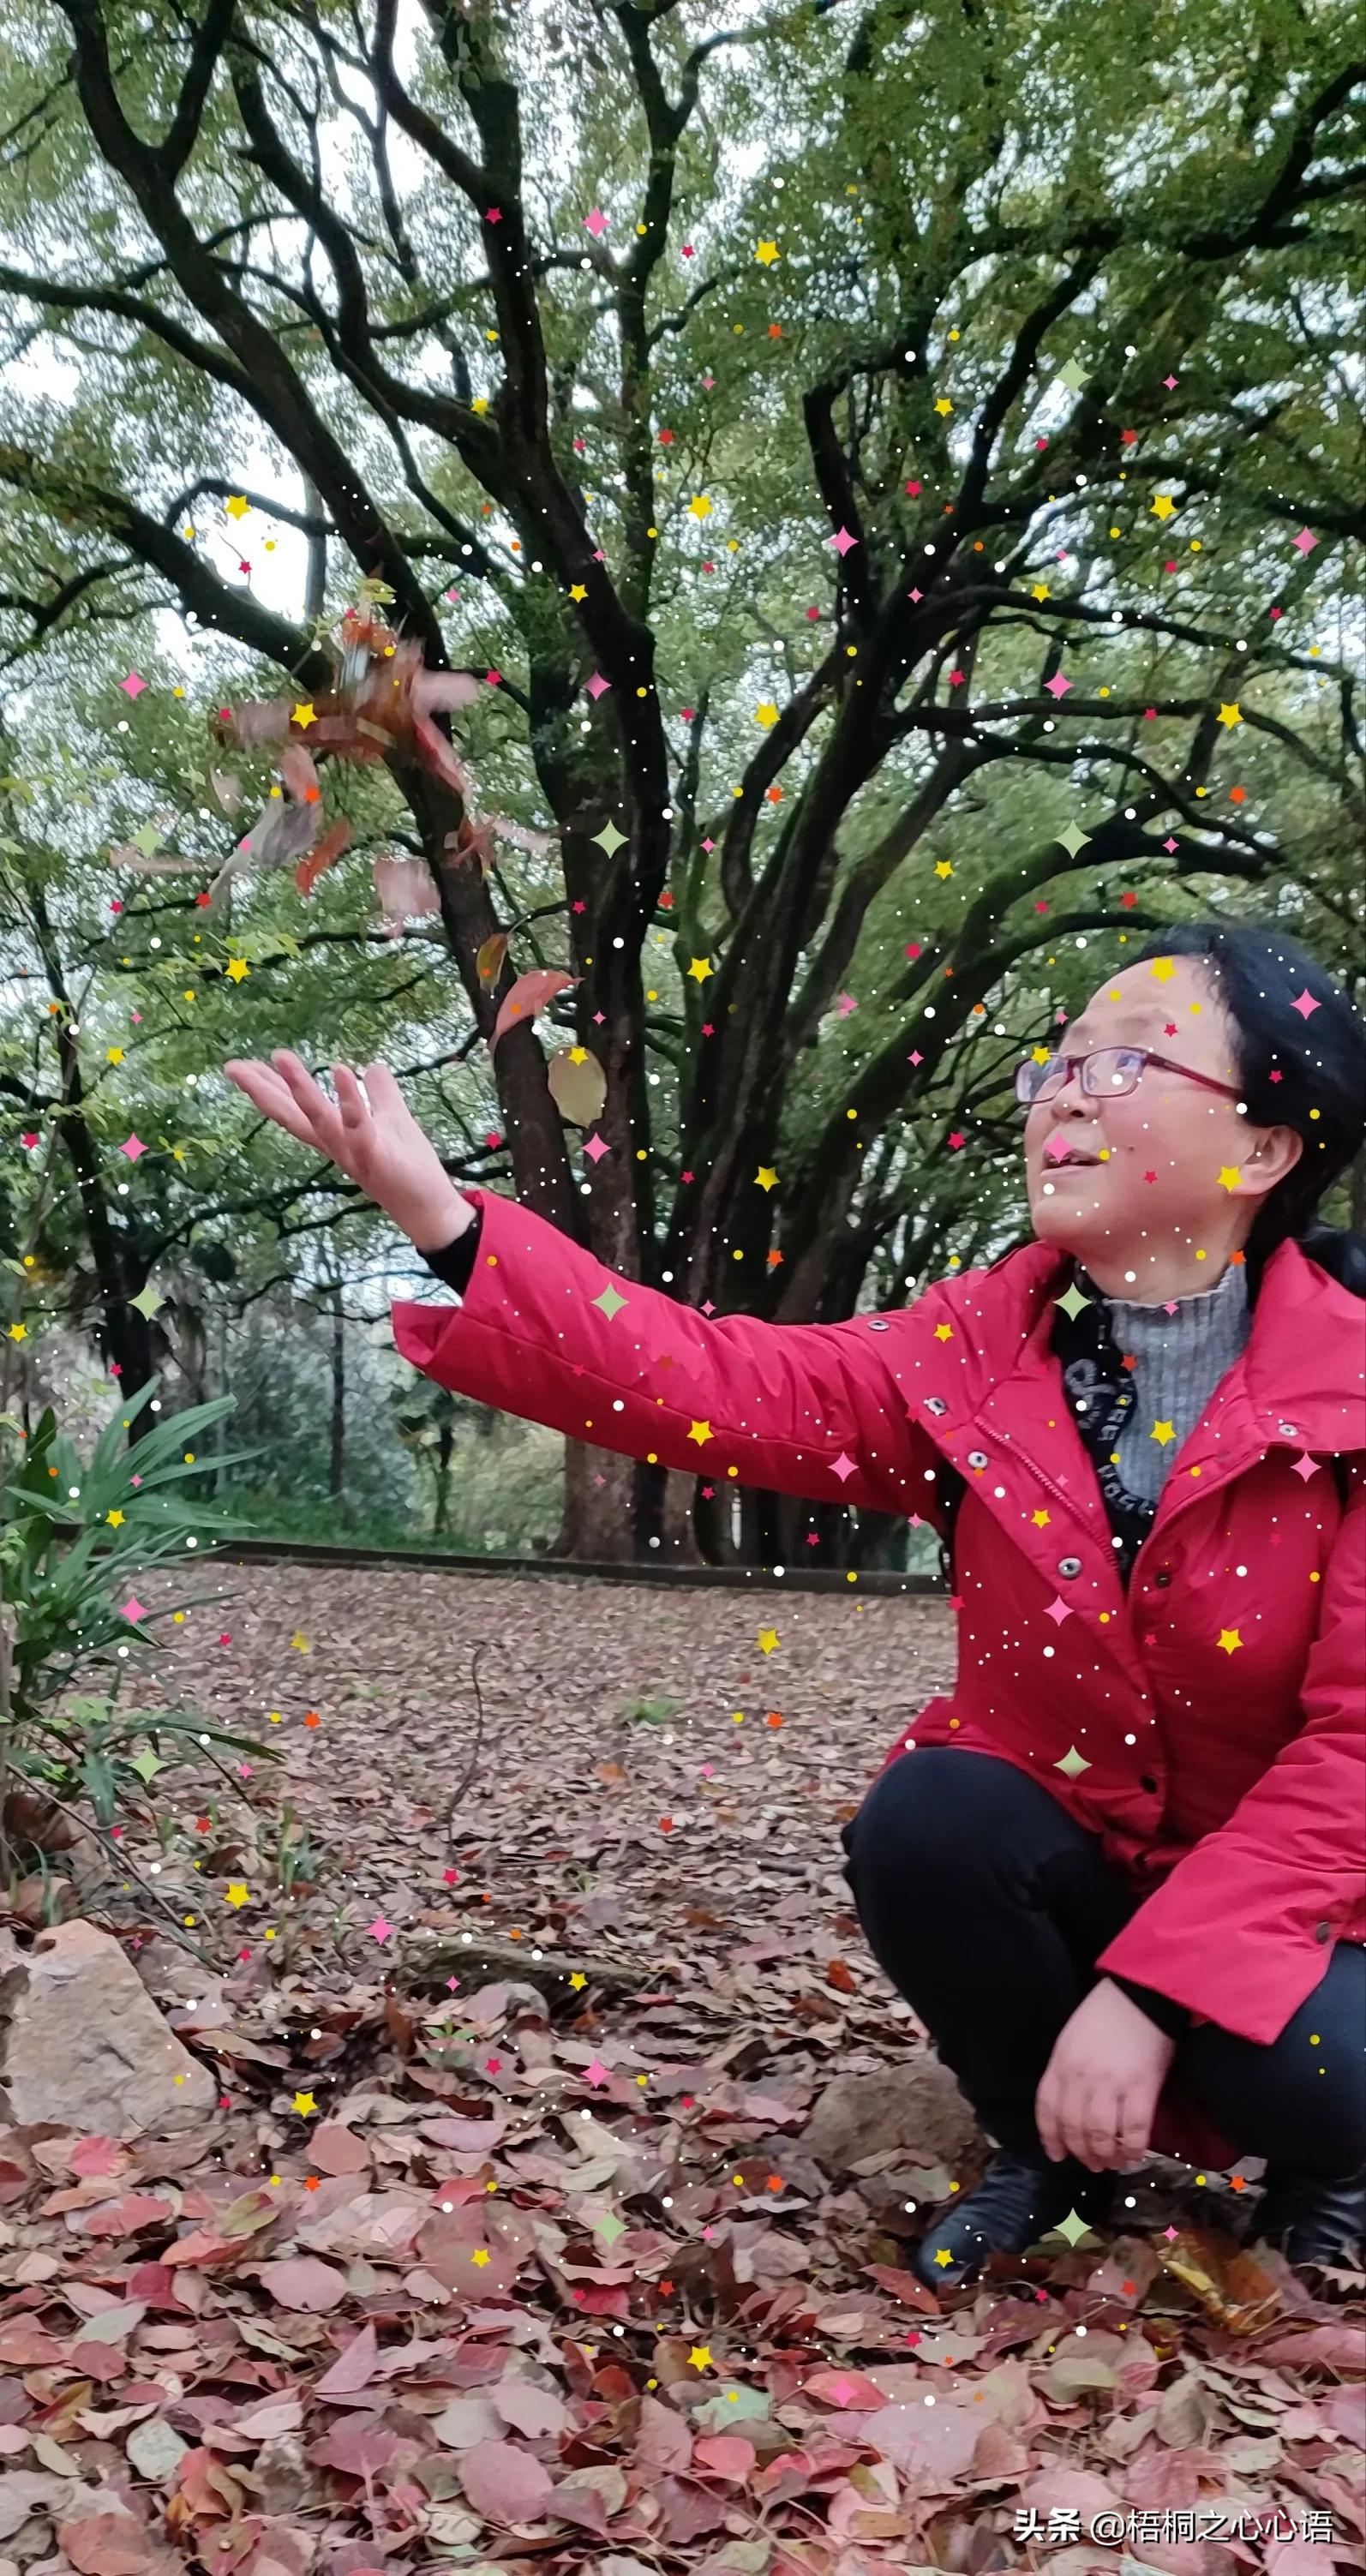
x: 1179, y: 1351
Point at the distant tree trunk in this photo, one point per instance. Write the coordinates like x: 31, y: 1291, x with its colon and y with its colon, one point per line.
x: 445, y: 1445
x: 666, y: 1501
x: 125, y: 1332
x: 598, y: 1519
x: 336, y: 1471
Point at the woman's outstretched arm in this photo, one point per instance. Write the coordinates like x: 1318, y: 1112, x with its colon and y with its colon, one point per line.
x: 545, y: 1331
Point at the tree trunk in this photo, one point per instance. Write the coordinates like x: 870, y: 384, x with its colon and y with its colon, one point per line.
x: 336, y: 1470
x: 125, y: 1331
x: 598, y: 1522
x: 666, y: 1502
x: 445, y: 1444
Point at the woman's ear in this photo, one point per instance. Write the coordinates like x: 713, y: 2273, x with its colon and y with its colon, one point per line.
x: 1276, y: 1152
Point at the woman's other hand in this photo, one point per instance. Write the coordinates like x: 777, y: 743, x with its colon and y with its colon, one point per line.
x: 369, y: 1134
x: 1100, y: 2088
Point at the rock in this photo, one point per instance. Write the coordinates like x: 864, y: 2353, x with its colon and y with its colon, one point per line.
x: 83, y: 2046
x: 916, y: 2108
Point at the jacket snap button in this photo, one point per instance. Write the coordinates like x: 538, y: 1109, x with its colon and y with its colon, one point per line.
x: 878, y: 1324
x: 1287, y: 1431
x: 977, y: 1457
x: 1322, y: 1931
x: 1163, y: 1577
x: 1069, y: 1565
x: 1148, y: 1782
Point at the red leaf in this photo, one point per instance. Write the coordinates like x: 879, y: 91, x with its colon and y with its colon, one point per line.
x: 304, y: 2283
x: 123, y: 2217
x: 506, y: 2484
x: 528, y: 995
x: 95, y: 2156
x: 725, y: 2455
x: 352, y: 2370
x: 839, y: 1976
x: 107, y: 2544
x: 335, y: 839
x: 358, y: 2450
x: 337, y: 2150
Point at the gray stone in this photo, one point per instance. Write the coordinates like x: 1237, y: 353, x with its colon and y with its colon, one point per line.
x: 915, y: 2108
x: 83, y: 2046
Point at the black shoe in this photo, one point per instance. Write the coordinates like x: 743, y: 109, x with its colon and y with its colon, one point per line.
x: 1312, y: 2218
x: 1017, y: 2201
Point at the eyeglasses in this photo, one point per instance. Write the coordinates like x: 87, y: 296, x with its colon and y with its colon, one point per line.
x: 1107, y: 1073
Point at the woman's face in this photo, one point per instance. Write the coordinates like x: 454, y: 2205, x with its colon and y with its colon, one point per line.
x: 1162, y: 1172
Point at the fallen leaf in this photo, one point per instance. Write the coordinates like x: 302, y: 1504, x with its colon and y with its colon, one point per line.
x: 506, y: 2484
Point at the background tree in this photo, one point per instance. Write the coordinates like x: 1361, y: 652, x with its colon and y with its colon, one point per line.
x: 1012, y: 627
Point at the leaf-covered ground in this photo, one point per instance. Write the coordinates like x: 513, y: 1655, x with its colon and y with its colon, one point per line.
x: 507, y: 2246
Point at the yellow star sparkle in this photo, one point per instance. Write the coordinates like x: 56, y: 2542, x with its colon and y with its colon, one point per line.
x: 765, y: 1178
x: 700, y: 969
x: 115, y: 1519
x: 303, y: 2104
x: 237, y: 969
x: 1040, y: 1519
x: 1163, y: 970
x: 700, y: 1432
x: 943, y: 868
x: 766, y: 1640
x: 1163, y: 505
x: 700, y: 507
x: 1231, y: 715
x: 943, y: 406
x: 767, y: 252
x: 943, y: 1332
x: 1230, y: 1640
x: 766, y: 712
x: 237, y: 505
x: 700, y: 2357
x: 579, y: 590
x: 237, y: 1892
x: 1229, y: 1176
x: 18, y: 1332
x: 305, y: 713
x: 1041, y: 590
x: 1162, y: 1432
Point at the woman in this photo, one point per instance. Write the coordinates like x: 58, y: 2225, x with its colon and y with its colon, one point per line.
x: 1120, y: 1875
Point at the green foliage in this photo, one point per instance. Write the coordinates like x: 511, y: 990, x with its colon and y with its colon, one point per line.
x: 651, y: 1712
x: 72, y: 1536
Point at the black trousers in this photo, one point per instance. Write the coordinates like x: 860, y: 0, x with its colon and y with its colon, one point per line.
x: 987, y: 1906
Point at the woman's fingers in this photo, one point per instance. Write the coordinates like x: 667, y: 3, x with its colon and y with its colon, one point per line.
x: 271, y: 1095
x: 351, y: 1100
x: 382, y: 1091
x: 1046, y: 2122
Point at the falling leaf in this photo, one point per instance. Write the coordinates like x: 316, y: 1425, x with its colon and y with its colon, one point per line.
x: 528, y: 995
x: 579, y: 1091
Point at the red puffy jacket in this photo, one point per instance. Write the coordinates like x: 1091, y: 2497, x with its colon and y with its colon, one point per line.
x: 1209, y: 1723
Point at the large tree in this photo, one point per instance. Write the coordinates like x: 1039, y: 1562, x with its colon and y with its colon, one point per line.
x: 952, y: 399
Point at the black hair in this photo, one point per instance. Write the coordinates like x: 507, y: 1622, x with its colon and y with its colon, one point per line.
x: 1301, y: 1068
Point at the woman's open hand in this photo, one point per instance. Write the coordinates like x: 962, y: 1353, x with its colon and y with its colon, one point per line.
x: 369, y: 1134
x: 1100, y: 2088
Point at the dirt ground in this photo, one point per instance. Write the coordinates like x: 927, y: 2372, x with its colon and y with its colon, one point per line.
x: 509, y: 2244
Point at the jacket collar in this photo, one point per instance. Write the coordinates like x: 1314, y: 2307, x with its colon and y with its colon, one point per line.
x: 1300, y: 1380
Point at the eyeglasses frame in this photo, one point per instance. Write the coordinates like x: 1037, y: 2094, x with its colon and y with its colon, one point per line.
x: 1076, y: 1063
